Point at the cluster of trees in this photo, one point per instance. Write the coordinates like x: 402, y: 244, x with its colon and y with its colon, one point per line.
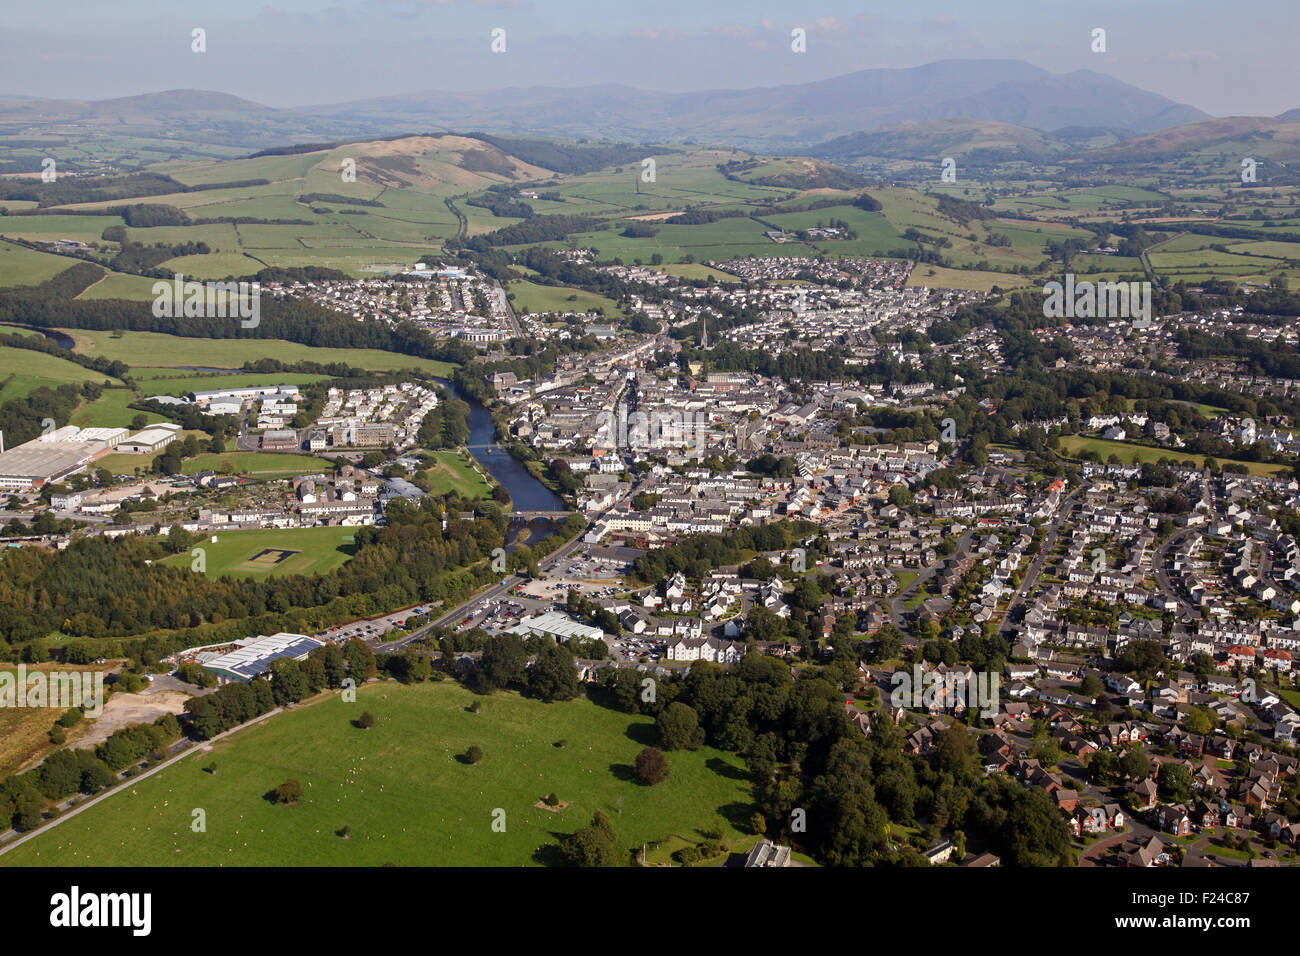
x: 290, y: 681
x: 446, y: 426
x: 101, y: 588
x: 503, y: 663
x: 65, y: 772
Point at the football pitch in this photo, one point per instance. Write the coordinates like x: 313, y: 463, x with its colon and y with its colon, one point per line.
x: 259, y: 553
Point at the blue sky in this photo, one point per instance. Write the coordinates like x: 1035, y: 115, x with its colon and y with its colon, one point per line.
x: 1224, y: 59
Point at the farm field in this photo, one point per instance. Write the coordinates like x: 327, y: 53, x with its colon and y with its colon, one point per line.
x: 454, y: 472
x: 401, y: 789
x: 166, y: 382
x: 291, y: 551
x: 22, y: 370
x: 111, y: 410
x: 22, y: 266
x: 1129, y: 453
x: 154, y: 349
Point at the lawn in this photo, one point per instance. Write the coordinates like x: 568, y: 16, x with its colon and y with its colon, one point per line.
x: 454, y: 472
x: 402, y: 790
x: 317, y: 550
x: 1129, y: 453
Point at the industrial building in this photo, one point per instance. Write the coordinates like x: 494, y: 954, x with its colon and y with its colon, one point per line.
x: 557, y: 626
x: 53, y: 457
x: 151, y: 440
x: 254, y: 657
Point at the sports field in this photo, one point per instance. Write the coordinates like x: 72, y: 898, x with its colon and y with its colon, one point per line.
x: 271, y: 552
x: 401, y: 789
x: 454, y: 472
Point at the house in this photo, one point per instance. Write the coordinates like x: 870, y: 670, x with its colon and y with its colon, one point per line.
x: 1174, y: 819
x: 1145, y: 793
x: 1149, y: 852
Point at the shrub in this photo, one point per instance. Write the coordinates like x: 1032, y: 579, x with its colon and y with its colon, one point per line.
x: 651, y: 766
x: 287, y: 793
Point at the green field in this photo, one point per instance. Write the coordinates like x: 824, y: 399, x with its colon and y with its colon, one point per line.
x: 318, y: 550
x: 22, y: 266
x: 153, y: 349
x: 401, y: 789
x: 551, y: 298
x: 454, y: 472
x: 22, y: 370
x: 1129, y: 453
x: 260, y: 464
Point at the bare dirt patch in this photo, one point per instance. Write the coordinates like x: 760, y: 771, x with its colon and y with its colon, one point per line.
x: 123, y: 710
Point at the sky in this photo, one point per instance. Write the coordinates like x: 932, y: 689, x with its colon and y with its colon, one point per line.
x: 1221, y: 58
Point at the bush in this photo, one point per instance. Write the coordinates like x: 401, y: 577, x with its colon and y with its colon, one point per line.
x: 287, y: 793
x: 474, y: 754
x: 651, y: 766
x: 366, y: 720
x: 551, y: 800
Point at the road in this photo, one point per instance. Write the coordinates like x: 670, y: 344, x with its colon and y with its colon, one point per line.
x: 1036, y: 566
x: 897, y: 602
x: 460, y: 611
x: 515, y: 331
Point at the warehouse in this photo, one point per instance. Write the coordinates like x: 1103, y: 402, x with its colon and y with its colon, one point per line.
x: 36, y: 463
x: 557, y: 626
x: 153, y: 439
x: 254, y: 658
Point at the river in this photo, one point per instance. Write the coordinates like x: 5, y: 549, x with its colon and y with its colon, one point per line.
x: 526, y: 492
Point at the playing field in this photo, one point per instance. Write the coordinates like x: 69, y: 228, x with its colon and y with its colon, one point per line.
x: 454, y: 472
x: 259, y: 553
x: 402, y: 790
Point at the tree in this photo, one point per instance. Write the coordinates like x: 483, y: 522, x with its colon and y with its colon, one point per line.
x: 1174, y: 783
x: 360, y: 659
x: 679, y: 727
x: 502, y: 662
x: 1134, y: 765
x: 553, y: 676
x: 287, y: 793
x: 366, y: 720
x: 594, y: 845
x: 651, y: 766
x: 288, y: 682
x: 474, y: 754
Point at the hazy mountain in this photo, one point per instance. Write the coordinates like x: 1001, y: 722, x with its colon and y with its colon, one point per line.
x: 787, y: 118
x: 793, y: 116
x: 1233, y: 137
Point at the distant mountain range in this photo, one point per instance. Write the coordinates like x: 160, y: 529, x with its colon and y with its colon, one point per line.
x: 786, y: 119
